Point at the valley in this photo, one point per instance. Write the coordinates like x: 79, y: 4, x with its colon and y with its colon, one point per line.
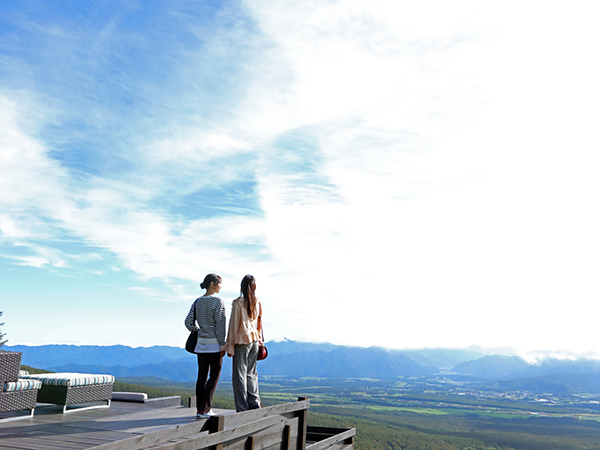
x: 437, y: 399
x: 426, y: 413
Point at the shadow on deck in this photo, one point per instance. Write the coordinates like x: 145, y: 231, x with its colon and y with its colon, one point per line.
x: 157, y: 425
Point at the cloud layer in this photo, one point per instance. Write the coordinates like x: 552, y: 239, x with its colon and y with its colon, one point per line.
x: 394, y: 175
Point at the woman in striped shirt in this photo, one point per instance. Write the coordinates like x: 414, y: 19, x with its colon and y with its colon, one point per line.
x: 210, y: 323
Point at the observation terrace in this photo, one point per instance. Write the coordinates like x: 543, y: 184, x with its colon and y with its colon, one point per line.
x: 163, y: 424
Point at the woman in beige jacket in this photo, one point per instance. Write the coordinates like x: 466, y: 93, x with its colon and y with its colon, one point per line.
x: 242, y: 343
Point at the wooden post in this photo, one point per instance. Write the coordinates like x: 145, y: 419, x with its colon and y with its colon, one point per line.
x: 192, y: 402
x: 287, y: 438
x: 302, y: 416
x: 249, y: 443
x: 215, y: 424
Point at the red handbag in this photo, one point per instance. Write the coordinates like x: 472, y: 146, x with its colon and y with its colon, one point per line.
x: 262, y: 352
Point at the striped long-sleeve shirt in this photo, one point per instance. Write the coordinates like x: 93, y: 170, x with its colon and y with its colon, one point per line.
x: 210, y: 317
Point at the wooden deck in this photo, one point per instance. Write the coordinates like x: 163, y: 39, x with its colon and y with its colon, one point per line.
x: 136, y: 426
x: 50, y: 429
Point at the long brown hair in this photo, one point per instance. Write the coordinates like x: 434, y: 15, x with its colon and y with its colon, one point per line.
x: 248, y: 288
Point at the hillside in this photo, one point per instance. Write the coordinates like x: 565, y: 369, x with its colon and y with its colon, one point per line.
x: 492, y: 366
x: 499, y: 367
x: 563, y: 383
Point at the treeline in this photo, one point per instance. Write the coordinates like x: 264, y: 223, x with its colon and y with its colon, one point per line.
x: 33, y: 370
x: 374, y: 435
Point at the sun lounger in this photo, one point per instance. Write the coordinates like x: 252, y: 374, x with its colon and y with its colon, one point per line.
x: 15, y: 393
x: 68, y: 389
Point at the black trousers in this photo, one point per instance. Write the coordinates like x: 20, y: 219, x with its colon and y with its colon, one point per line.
x: 205, y: 389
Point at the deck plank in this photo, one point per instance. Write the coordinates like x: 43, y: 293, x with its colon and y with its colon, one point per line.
x: 43, y: 444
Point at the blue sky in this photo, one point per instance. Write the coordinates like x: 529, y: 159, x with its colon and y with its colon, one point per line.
x: 393, y: 174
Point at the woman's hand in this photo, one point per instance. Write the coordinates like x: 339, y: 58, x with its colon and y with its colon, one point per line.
x: 229, y: 354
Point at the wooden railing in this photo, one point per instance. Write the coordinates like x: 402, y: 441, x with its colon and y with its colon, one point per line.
x: 322, y: 438
x: 275, y: 427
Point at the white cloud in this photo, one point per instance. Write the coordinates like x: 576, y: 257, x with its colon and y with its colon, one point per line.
x: 425, y: 175
x: 42, y: 199
x: 29, y: 180
x: 459, y: 176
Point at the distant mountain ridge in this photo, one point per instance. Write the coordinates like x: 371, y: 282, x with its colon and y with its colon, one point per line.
x: 113, y: 355
x: 286, y: 358
x: 303, y: 359
x: 345, y: 362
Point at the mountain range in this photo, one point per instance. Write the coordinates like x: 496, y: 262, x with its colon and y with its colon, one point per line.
x: 304, y: 359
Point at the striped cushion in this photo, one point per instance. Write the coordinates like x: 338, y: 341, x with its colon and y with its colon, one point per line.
x: 22, y: 373
x: 22, y: 385
x: 72, y: 379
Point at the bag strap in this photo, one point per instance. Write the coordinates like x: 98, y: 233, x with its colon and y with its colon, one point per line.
x: 262, y: 329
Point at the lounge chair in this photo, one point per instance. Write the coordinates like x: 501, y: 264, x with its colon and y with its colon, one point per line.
x: 16, y: 393
x: 68, y: 389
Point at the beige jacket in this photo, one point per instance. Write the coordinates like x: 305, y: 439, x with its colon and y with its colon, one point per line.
x: 242, y: 329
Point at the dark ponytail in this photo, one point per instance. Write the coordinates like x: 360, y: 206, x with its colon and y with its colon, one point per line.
x: 210, y: 278
x: 248, y: 288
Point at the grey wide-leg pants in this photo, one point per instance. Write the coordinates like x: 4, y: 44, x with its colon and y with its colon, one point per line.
x: 245, y: 377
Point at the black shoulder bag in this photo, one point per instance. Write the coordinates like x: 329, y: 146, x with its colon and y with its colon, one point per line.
x: 192, y: 340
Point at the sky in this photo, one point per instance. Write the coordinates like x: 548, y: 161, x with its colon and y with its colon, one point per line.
x: 398, y: 174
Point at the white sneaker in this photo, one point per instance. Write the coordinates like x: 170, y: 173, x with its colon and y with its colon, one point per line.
x: 211, y: 413
x: 202, y: 416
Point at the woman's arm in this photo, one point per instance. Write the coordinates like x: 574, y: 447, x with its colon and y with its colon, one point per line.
x: 220, y: 319
x: 189, y: 320
x: 234, y: 326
